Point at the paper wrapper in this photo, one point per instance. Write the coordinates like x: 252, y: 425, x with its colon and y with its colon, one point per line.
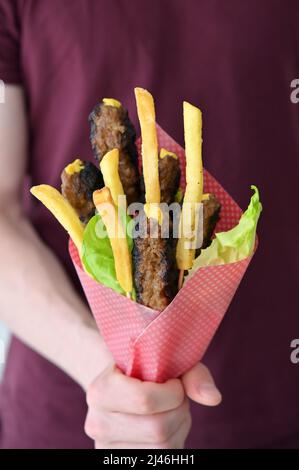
x: 157, y: 346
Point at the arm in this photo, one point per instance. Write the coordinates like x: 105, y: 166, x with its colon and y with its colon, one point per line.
x: 38, y: 302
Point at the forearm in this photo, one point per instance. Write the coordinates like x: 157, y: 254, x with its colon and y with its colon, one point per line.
x: 40, y: 306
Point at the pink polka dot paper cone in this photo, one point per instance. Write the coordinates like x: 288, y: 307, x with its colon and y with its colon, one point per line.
x: 153, y: 345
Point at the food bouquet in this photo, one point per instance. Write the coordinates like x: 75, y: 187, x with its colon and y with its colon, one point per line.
x: 159, y: 246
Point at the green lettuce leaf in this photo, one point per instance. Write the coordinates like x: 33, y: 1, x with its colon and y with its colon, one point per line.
x: 235, y: 244
x: 97, y: 257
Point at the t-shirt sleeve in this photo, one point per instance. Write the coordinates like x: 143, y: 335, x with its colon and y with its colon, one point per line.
x: 10, y: 66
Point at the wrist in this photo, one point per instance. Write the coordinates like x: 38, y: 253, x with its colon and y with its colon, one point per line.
x: 91, y: 355
x: 96, y: 356
x: 83, y: 353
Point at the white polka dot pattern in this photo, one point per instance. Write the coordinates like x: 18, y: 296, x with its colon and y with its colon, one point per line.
x: 155, y: 345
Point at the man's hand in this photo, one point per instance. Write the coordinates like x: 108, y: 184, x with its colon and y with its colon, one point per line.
x: 127, y: 413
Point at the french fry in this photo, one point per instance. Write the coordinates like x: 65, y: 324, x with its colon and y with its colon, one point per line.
x: 109, y: 169
x: 193, y: 149
x: 62, y: 210
x: 147, y: 119
x: 194, y: 184
x: 122, y: 258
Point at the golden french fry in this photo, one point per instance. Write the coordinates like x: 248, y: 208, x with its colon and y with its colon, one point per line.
x: 147, y: 119
x: 194, y: 183
x: 117, y: 235
x: 109, y: 169
x: 185, y: 254
x: 193, y: 149
x: 153, y: 211
x: 62, y: 210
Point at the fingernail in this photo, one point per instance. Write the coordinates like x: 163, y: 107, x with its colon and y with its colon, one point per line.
x: 209, y: 390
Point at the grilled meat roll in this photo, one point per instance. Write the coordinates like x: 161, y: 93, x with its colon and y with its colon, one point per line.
x: 169, y: 177
x: 79, y: 181
x: 111, y: 128
x: 211, y: 215
x: 154, y: 265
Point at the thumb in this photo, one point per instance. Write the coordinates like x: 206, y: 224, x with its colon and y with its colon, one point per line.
x: 200, y: 387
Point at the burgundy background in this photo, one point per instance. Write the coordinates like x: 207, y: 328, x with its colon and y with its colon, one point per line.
x: 236, y: 61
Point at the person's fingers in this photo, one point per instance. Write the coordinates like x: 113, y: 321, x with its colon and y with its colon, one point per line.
x: 176, y: 441
x: 200, y: 386
x: 113, y: 391
x: 113, y: 427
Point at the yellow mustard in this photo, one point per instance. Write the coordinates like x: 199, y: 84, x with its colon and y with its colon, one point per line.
x: 112, y: 102
x: 74, y: 167
x: 164, y: 152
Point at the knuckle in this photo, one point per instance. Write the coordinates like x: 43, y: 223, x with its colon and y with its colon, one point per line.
x: 180, y: 395
x: 186, y: 407
x: 95, y: 428
x: 93, y: 393
x: 176, y: 393
x: 180, y: 440
x: 180, y: 401
x: 90, y: 394
x: 144, y: 403
x: 158, y: 432
x: 89, y: 428
x: 99, y: 388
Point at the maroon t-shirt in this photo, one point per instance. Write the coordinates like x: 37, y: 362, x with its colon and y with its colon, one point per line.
x: 235, y: 59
